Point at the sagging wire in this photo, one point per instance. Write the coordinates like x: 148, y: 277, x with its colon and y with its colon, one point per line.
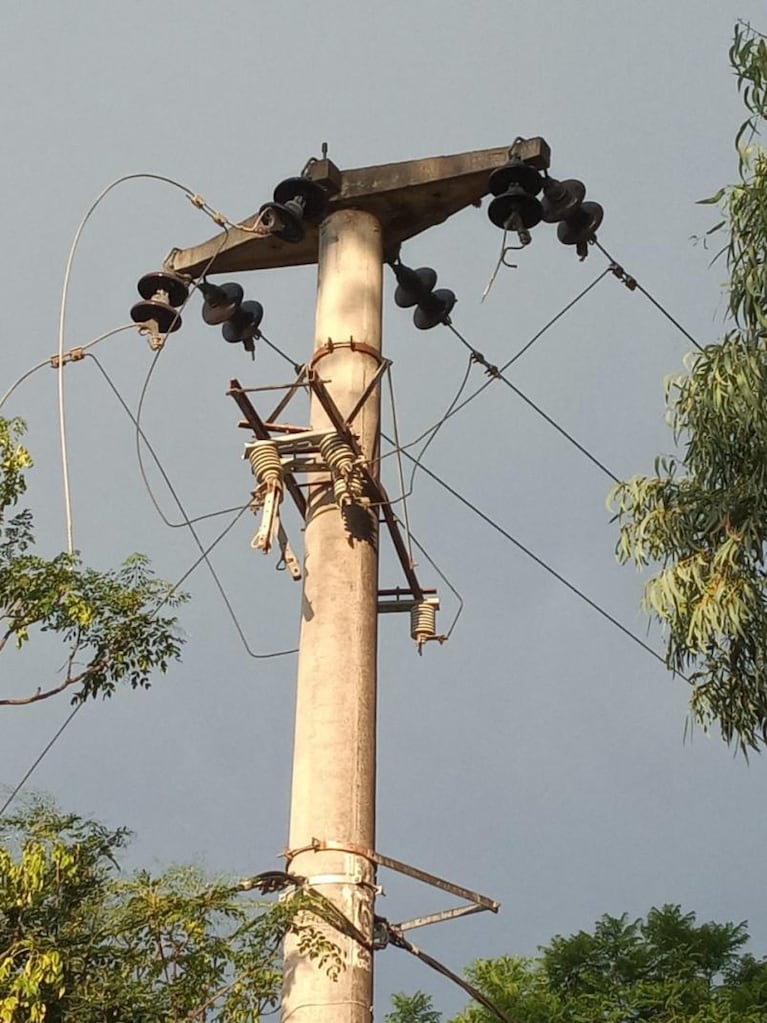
x: 196, y: 201
x: 187, y: 521
x: 75, y: 354
x: 171, y: 590
x: 442, y: 576
x: 438, y: 426
x: 633, y: 285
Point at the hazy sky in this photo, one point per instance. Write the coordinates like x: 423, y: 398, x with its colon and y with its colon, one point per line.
x: 539, y: 756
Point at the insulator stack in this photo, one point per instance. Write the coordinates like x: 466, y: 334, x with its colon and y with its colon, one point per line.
x: 423, y: 622
x: 348, y: 486
x: 265, y: 461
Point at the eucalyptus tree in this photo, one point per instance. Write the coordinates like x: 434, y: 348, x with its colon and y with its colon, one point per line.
x: 701, y: 518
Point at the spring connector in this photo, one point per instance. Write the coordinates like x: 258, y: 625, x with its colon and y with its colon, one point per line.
x: 348, y: 486
x: 265, y: 461
x: 423, y: 623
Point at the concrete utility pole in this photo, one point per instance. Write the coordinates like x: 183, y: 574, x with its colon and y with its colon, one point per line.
x: 370, y: 212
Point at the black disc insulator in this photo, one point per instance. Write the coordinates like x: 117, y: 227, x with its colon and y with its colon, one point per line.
x: 515, y: 201
x: 244, y: 325
x: 221, y: 301
x: 175, y: 287
x: 561, y: 199
x: 166, y: 317
x: 436, y: 310
x: 291, y: 223
x: 582, y: 225
x: 313, y: 197
x: 515, y: 172
x: 413, y: 286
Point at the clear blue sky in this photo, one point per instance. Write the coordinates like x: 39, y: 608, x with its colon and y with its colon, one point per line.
x: 539, y: 756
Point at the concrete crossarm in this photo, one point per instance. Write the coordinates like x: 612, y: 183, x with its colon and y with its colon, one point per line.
x: 407, y: 198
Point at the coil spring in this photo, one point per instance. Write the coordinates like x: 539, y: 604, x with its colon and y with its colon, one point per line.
x: 423, y: 621
x: 265, y: 461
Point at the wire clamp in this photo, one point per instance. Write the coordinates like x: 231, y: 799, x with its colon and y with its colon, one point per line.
x: 630, y: 282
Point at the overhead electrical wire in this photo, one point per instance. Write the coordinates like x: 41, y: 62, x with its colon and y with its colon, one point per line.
x: 536, y: 337
x: 199, y: 203
x: 538, y: 560
x: 633, y: 284
x: 74, y: 354
x: 171, y: 590
x: 187, y: 522
x: 495, y: 373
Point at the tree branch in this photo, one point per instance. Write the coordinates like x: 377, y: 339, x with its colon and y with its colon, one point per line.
x: 70, y: 680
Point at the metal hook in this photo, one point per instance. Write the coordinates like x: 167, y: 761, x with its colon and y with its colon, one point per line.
x: 501, y: 262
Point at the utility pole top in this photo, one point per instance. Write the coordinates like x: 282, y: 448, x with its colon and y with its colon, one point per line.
x: 406, y: 198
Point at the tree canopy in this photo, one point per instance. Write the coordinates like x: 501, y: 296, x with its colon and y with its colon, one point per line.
x: 702, y: 517
x: 80, y: 942
x: 114, y: 625
x: 665, y: 967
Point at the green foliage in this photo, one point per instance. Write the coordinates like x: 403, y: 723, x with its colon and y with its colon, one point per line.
x: 110, y: 622
x: 78, y: 942
x: 703, y: 518
x: 417, y: 1008
x: 666, y: 968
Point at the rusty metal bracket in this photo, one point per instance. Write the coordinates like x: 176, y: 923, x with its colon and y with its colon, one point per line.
x: 355, y: 346
x: 259, y: 428
x: 482, y: 902
x: 382, y: 368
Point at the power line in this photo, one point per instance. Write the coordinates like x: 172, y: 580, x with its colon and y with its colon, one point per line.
x: 495, y: 373
x: 141, y: 436
x: 38, y: 759
x: 538, y: 560
x: 633, y: 285
x: 539, y: 334
x: 172, y: 589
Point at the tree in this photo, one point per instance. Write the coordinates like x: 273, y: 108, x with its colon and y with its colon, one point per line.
x: 111, y: 623
x: 79, y: 942
x: 666, y: 968
x: 702, y: 517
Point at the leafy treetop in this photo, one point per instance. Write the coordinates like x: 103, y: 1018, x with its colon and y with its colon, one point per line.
x: 702, y: 517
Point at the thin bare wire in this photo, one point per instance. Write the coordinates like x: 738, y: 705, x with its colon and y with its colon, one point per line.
x: 171, y: 590
x: 189, y: 523
x: 615, y: 264
x: 444, y: 579
x: 496, y: 373
x: 196, y: 201
x: 475, y: 394
x: 400, y: 469
x: 53, y: 360
x: 438, y: 426
x: 539, y: 561
x: 22, y: 378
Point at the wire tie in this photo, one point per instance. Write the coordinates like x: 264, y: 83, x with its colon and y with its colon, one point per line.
x: 197, y: 200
